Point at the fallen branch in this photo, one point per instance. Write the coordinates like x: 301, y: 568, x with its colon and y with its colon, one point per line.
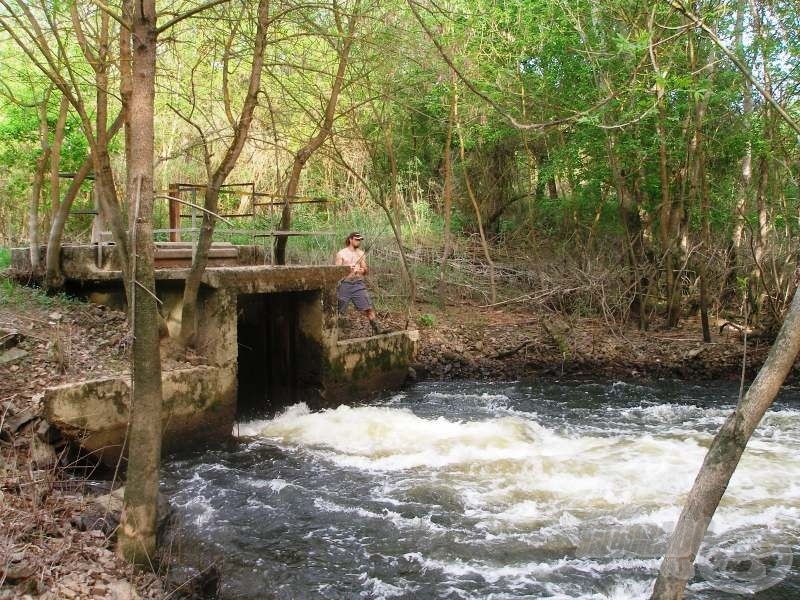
x: 513, y: 351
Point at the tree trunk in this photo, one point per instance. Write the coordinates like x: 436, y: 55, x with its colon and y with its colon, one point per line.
x: 695, y: 165
x: 53, y: 276
x: 666, y: 212
x: 756, y: 282
x: 447, y: 193
x: 476, y: 208
x: 758, y: 286
x: 36, y: 186
x: 301, y: 156
x: 705, y: 209
x: 723, y: 457
x: 137, y: 534
x: 216, y: 179
x: 55, y: 157
x: 105, y: 186
x: 743, y: 188
x: 635, y: 251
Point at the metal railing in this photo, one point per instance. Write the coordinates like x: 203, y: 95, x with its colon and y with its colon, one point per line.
x: 175, y: 196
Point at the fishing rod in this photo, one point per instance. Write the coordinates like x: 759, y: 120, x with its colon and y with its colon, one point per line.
x: 374, y: 241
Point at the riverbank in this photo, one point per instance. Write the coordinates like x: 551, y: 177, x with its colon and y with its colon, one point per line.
x: 467, y: 342
x: 51, y: 549
x: 51, y: 546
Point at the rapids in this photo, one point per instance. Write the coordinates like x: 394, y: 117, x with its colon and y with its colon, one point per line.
x: 498, y: 490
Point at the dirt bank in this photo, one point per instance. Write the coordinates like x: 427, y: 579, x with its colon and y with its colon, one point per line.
x: 55, y: 542
x: 467, y: 342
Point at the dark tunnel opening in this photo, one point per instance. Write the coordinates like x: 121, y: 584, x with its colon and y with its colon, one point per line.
x: 279, y: 353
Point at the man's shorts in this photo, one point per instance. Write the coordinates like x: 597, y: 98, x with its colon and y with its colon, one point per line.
x: 353, y: 290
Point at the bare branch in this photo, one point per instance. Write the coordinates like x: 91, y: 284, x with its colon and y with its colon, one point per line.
x: 107, y: 9
x: 198, y: 9
x: 737, y: 62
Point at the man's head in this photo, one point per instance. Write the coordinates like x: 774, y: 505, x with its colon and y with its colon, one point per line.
x: 354, y: 239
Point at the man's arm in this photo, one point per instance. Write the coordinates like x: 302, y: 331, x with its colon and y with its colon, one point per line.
x: 339, y: 259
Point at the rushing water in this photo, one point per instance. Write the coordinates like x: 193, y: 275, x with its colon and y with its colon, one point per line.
x: 491, y: 490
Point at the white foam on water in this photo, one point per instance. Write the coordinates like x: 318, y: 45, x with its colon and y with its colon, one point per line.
x: 669, y: 414
x: 257, y: 504
x: 628, y: 590
x: 200, y: 510
x: 376, y: 589
x: 615, y: 470
x: 380, y: 438
x: 486, y: 401
x: 492, y: 574
x: 398, y: 520
x: 512, y: 475
x: 276, y: 485
x: 532, y: 572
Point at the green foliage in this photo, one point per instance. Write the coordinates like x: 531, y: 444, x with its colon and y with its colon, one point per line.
x: 426, y: 320
x: 584, y: 68
x: 5, y: 258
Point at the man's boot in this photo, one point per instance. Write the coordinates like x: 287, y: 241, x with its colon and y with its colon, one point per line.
x: 376, y: 329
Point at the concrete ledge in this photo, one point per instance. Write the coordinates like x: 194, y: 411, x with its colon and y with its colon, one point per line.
x: 365, y: 366
x: 199, y: 408
x: 267, y: 279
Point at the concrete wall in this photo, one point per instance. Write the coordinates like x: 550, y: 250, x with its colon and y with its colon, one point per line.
x: 362, y: 367
x: 296, y: 306
x: 199, y: 408
x: 93, y: 262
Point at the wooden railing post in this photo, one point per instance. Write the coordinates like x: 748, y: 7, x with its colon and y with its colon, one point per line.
x: 174, y: 213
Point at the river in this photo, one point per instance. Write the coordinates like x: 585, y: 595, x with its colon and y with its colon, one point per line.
x: 491, y: 490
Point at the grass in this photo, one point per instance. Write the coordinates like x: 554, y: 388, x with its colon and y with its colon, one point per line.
x: 15, y: 294
x: 5, y: 258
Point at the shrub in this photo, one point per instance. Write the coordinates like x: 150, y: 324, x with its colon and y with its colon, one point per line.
x: 426, y: 320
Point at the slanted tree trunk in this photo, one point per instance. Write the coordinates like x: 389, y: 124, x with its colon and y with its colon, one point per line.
x: 723, y: 457
x: 218, y: 177
x: 55, y: 158
x: 53, y: 276
x: 301, y: 157
x: 137, y: 534
x: 97, y: 54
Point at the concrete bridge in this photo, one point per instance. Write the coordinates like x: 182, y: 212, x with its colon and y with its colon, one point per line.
x: 268, y: 334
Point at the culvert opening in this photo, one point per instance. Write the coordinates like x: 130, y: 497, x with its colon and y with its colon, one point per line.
x: 280, y: 356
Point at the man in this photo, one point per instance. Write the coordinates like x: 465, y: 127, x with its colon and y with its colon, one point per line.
x: 352, y: 288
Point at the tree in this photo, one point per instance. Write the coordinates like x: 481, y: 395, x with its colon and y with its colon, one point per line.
x: 730, y: 442
x: 40, y: 36
x: 137, y: 534
x: 216, y: 176
x: 723, y: 457
x: 341, y: 41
